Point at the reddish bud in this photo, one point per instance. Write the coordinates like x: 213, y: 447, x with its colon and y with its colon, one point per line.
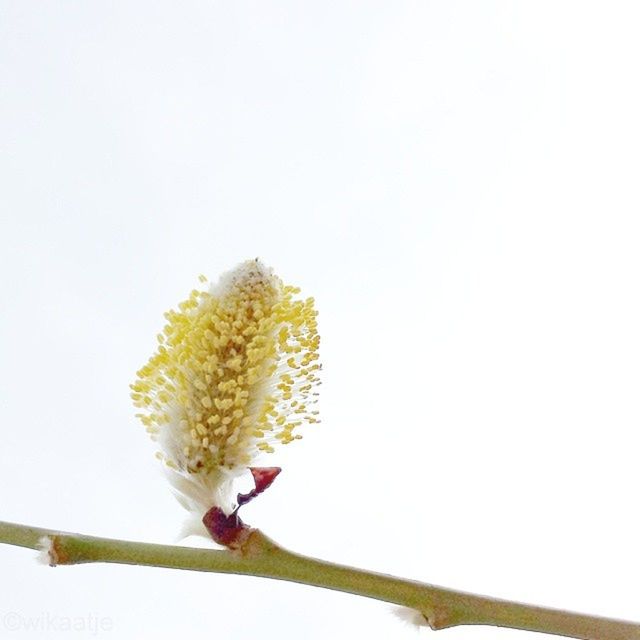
x: 263, y: 478
x: 229, y: 530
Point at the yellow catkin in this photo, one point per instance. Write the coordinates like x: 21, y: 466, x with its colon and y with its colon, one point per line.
x: 234, y: 363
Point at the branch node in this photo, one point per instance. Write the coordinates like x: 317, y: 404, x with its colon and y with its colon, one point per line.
x: 439, y: 618
x: 50, y: 551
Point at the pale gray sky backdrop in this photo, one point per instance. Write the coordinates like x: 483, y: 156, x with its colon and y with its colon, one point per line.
x: 457, y: 185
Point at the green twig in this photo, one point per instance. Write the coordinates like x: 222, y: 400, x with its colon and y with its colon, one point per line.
x: 260, y: 556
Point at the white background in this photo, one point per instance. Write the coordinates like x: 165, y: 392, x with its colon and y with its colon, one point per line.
x: 457, y: 185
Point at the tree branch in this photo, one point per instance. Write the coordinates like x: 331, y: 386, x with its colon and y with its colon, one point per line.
x: 262, y: 557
